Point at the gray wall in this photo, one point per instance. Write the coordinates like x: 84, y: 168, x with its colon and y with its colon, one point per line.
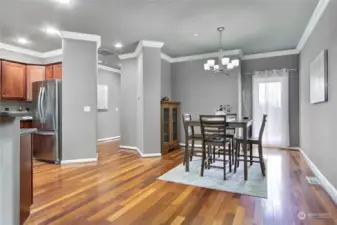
x: 129, y: 102
x: 165, y: 79
x: 318, y: 121
x: 280, y: 62
x: 79, y: 89
x: 108, y: 121
x: 18, y: 57
x: 151, y: 100
x: 201, y: 92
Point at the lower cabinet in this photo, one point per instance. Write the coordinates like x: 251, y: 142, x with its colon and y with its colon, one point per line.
x: 26, y: 176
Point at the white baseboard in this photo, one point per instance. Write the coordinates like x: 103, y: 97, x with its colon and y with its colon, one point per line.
x: 109, y: 138
x: 140, y: 153
x: 79, y: 160
x: 329, y: 188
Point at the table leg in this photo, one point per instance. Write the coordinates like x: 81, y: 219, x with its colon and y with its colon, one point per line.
x: 187, y: 161
x: 245, y: 151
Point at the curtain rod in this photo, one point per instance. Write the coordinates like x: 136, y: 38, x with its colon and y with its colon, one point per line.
x: 269, y: 70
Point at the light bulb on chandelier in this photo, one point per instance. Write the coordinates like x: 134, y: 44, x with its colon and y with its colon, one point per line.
x: 224, y: 64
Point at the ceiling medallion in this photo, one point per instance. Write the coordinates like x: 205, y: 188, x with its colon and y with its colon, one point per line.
x: 225, y: 64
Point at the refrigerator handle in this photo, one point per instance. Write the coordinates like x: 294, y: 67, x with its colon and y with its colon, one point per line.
x: 42, y: 99
x: 39, y: 105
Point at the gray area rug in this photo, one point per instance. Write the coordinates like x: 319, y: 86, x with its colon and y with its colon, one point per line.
x: 256, y: 185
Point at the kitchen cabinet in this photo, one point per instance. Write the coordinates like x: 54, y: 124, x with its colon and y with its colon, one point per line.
x: 57, y: 71
x: 13, y: 81
x: 169, y: 126
x: 26, y: 176
x: 34, y: 73
x: 54, y: 71
x: 49, y: 72
x: 26, y: 124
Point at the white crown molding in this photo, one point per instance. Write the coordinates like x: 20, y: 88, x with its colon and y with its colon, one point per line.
x: 110, y: 69
x: 236, y: 52
x: 317, y: 14
x: 141, y: 44
x: 153, y: 44
x: 81, y: 36
x: 21, y: 50
x: 166, y: 57
x: 329, y: 188
x: 270, y: 54
x: 53, y: 53
x: 140, y: 153
x: 109, y: 139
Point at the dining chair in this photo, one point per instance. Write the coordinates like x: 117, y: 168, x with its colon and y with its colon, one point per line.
x: 213, y: 132
x: 191, y: 137
x: 251, y: 142
x: 231, y: 133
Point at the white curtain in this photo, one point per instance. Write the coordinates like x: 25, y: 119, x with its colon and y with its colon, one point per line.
x: 270, y: 96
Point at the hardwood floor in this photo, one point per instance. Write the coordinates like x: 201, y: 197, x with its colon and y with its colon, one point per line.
x: 121, y: 188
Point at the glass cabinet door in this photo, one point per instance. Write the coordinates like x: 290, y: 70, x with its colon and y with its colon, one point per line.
x: 175, y: 124
x: 166, y: 123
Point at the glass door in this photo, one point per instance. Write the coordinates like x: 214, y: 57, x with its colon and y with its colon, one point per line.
x: 166, y: 124
x: 174, y: 124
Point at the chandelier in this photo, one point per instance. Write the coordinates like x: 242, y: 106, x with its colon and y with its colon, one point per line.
x: 225, y: 64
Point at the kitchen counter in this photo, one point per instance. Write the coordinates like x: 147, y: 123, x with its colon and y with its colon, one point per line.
x: 15, y: 114
x: 27, y: 130
x: 10, y: 168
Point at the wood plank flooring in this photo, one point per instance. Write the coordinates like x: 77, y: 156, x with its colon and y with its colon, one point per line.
x: 121, y: 188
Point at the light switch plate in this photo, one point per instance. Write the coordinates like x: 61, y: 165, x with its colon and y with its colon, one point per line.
x: 86, y: 108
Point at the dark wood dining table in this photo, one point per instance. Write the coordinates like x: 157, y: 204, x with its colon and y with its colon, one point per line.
x: 244, y: 124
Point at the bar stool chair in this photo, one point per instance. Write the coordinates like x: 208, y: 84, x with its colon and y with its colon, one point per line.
x: 213, y: 131
x: 251, y: 142
x: 191, y: 137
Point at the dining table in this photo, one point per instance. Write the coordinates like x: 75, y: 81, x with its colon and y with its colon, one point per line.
x: 243, y: 124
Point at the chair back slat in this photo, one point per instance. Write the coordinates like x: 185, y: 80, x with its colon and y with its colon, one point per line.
x: 213, y: 127
x: 263, y: 125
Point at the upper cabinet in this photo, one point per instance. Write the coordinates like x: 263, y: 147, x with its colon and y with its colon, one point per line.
x: 49, y: 72
x: 13, y: 81
x: 54, y: 71
x: 57, y: 71
x: 34, y: 73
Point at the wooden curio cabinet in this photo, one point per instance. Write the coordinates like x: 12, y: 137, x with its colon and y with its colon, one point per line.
x: 169, y: 126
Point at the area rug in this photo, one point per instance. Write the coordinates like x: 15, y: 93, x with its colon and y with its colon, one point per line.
x: 256, y: 185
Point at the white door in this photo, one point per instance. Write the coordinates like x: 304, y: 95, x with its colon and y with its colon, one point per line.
x: 270, y: 96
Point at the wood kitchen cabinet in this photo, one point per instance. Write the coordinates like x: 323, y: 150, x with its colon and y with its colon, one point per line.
x: 34, y: 73
x: 26, y: 176
x: 54, y: 71
x: 169, y: 126
x: 13, y: 81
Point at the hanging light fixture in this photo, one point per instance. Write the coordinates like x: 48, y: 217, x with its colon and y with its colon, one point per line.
x: 225, y: 64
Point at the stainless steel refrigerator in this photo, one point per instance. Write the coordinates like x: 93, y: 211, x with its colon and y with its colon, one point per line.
x: 47, y: 119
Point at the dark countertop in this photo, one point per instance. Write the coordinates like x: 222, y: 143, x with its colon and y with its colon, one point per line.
x: 27, y: 130
x: 15, y: 114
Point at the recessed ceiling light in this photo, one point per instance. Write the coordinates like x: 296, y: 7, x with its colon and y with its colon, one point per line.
x: 52, y: 31
x: 64, y: 1
x: 195, y: 35
x: 99, y: 61
x: 118, y: 45
x: 23, y: 41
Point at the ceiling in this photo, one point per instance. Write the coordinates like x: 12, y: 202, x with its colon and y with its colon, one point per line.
x: 254, y: 26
